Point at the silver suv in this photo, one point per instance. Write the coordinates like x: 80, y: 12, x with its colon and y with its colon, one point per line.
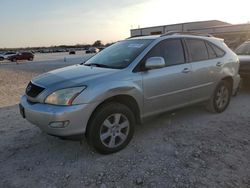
x: 109, y: 94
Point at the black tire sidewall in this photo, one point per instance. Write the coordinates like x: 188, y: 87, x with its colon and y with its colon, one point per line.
x: 96, y: 121
x: 227, y: 85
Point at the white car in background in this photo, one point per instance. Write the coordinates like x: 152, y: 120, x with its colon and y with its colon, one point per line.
x: 6, y: 55
x: 92, y: 50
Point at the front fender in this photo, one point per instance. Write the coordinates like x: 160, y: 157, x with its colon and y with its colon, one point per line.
x: 104, y: 91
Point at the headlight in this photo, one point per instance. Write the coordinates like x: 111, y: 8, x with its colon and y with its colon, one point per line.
x: 64, y: 96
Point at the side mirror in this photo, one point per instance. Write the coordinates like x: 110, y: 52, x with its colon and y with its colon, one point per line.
x: 155, y: 63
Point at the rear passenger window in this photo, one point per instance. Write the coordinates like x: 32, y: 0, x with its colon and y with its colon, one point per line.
x: 170, y: 50
x: 197, y: 49
x: 219, y: 52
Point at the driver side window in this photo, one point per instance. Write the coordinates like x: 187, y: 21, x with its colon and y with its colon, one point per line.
x: 171, y: 50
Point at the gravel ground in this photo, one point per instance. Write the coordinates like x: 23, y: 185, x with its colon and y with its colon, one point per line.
x: 187, y: 148
x: 15, y: 77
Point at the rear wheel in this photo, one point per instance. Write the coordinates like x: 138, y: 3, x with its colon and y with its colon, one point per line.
x: 111, y: 128
x: 221, y: 97
x: 1, y: 58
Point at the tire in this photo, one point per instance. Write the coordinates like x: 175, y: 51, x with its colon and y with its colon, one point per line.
x: 1, y: 58
x: 111, y: 128
x: 30, y: 59
x: 221, y: 97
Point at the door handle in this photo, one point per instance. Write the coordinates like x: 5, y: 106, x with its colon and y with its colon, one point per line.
x: 186, y: 70
x: 219, y: 64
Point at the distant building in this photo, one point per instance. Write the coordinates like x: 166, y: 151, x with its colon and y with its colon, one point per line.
x: 233, y: 34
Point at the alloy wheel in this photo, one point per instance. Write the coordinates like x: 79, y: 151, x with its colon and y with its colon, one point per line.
x: 114, y: 130
x: 222, y: 97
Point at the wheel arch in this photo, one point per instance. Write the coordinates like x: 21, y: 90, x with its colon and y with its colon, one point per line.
x: 124, y: 99
x: 229, y: 79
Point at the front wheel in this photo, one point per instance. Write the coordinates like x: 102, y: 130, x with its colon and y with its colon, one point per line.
x: 111, y: 128
x: 221, y: 97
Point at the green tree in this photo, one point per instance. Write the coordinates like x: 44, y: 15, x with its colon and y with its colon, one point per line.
x: 98, y: 43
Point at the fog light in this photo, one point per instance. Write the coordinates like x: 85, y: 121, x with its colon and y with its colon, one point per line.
x: 59, y: 124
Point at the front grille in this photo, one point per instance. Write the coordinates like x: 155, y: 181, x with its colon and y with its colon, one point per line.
x: 33, y: 90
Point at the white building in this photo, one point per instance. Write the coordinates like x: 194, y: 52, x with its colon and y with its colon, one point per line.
x: 233, y: 34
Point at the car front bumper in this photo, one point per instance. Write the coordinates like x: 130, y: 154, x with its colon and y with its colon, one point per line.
x: 57, y: 120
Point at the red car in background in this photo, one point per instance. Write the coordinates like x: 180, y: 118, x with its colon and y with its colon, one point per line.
x: 21, y: 56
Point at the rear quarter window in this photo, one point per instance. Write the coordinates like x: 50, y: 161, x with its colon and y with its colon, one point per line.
x: 211, y: 52
x: 219, y: 52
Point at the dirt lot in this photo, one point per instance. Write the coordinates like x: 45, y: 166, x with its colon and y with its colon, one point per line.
x: 187, y: 148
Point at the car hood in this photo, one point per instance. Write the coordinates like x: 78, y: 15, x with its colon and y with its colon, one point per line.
x: 244, y: 58
x: 71, y: 76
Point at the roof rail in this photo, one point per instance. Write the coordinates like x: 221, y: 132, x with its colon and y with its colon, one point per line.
x: 186, y: 33
x: 136, y: 36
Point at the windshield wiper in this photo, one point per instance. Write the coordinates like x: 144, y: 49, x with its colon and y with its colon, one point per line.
x: 98, y: 65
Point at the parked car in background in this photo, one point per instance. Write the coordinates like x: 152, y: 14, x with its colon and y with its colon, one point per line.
x: 6, y: 55
x: 21, y: 56
x: 101, y: 48
x: 105, y: 97
x: 72, y: 52
x: 92, y: 50
x: 243, y: 52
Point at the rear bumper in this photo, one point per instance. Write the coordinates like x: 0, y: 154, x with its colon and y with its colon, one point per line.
x: 46, y: 117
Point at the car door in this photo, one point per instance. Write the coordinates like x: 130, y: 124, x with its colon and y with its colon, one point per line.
x: 19, y: 56
x: 169, y: 87
x: 24, y: 56
x: 206, y: 67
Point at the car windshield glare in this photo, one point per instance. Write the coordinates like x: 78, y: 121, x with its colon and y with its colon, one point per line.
x: 119, y: 55
x: 244, y: 49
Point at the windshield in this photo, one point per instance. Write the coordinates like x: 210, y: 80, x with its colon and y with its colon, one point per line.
x: 120, y: 54
x: 243, y: 49
x: 9, y: 53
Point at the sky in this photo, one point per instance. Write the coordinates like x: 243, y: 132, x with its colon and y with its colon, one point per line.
x: 29, y: 23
